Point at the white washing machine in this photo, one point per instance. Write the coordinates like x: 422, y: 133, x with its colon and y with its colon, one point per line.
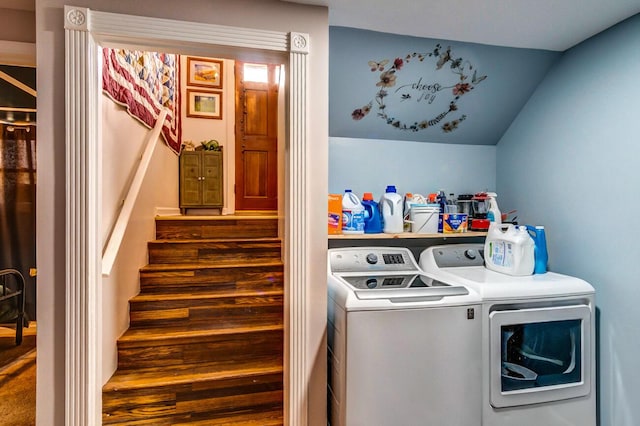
x: 538, y: 340
x: 402, y: 347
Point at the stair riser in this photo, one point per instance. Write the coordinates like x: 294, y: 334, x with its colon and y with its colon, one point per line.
x: 208, y: 229
x: 232, y: 348
x: 169, y: 303
x: 257, y: 277
x: 173, y: 253
x: 193, y: 308
x: 220, y: 396
x: 218, y: 316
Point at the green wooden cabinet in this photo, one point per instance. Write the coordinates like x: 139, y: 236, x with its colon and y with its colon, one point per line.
x: 201, y: 179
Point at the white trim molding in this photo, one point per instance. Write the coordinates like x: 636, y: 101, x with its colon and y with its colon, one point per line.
x: 85, y: 31
x: 83, y: 394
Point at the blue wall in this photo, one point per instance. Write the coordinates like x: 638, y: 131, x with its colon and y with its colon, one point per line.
x: 570, y: 162
x: 369, y: 165
x: 368, y: 154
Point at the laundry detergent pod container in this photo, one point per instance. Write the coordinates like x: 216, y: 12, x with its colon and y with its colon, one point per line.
x: 509, y: 249
x: 424, y: 218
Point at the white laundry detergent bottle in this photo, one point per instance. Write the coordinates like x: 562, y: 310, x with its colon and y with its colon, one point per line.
x: 391, y: 209
x: 509, y: 249
x: 352, y: 214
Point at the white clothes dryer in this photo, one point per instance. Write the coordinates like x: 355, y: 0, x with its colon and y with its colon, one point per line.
x: 402, y: 347
x: 538, y: 340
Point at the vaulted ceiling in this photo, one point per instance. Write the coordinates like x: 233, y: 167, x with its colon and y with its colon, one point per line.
x: 539, y: 24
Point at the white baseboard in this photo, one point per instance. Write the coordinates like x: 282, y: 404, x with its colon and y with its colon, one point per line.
x: 167, y: 211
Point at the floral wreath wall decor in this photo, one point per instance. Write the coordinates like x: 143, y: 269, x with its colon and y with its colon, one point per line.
x: 391, y: 94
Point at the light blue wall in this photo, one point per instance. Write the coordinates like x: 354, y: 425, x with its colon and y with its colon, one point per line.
x: 369, y: 165
x: 570, y: 161
x: 489, y: 107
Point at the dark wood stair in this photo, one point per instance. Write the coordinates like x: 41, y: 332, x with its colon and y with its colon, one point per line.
x: 206, y: 337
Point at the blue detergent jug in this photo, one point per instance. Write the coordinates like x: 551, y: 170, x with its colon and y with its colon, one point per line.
x: 372, y: 217
x: 540, y: 249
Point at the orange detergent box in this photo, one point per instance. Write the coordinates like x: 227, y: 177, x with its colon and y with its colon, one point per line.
x: 453, y: 223
x: 335, y: 214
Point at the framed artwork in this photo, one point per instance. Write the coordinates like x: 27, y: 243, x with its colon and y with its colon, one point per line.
x: 204, y: 72
x: 204, y: 104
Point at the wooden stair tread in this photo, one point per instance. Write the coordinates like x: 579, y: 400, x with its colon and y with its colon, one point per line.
x: 215, y: 294
x: 218, y: 217
x: 189, y: 374
x: 188, y: 332
x: 160, y: 267
x: 267, y: 418
x: 218, y: 240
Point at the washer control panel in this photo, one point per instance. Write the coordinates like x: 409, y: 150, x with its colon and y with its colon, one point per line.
x: 368, y: 259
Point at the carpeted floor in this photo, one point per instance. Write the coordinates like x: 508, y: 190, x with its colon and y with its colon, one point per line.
x: 18, y: 378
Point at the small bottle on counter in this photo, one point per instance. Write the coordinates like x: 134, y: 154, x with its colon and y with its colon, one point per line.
x: 442, y: 201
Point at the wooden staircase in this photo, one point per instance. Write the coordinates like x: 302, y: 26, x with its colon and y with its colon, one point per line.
x: 205, y: 343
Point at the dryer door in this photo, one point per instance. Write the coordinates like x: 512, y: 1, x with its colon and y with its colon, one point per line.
x: 540, y: 355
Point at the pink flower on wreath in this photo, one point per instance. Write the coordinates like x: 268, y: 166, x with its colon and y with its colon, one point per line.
x: 387, y: 79
x: 360, y: 113
x: 398, y: 63
x: 461, y: 89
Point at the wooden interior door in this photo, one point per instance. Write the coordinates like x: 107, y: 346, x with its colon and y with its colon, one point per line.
x: 256, y: 141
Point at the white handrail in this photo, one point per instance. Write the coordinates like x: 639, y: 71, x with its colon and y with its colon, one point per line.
x: 117, y: 233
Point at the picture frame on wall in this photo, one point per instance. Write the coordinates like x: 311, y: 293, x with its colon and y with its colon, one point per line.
x: 204, y: 104
x: 203, y: 72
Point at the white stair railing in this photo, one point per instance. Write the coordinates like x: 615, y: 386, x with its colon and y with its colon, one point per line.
x: 117, y: 232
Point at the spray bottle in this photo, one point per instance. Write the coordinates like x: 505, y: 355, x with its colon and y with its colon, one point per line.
x: 541, y: 254
x: 442, y: 202
x: 494, y: 214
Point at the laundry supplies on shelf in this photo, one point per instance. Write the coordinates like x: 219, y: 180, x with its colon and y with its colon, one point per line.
x: 372, y: 217
x: 352, y: 214
x: 391, y: 209
x: 424, y: 218
x: 334, y: 220
x: 541, y: 254
x: 494, y: 214
x: 509, y: 249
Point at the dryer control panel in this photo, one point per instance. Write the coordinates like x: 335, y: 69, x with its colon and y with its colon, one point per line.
x: 456, y: 255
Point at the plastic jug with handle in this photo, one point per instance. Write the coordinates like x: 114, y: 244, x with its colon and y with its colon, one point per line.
x: 540, y: 249
x: 352, y: 214
x: 509, y: 249
x: 372, y: 219
x: 391, y: 209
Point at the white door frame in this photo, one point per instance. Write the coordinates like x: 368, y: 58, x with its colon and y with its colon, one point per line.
x: 85, y: 31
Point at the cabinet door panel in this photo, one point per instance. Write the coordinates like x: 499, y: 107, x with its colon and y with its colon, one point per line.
x: 190, y: 184
x: 212, y: 183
